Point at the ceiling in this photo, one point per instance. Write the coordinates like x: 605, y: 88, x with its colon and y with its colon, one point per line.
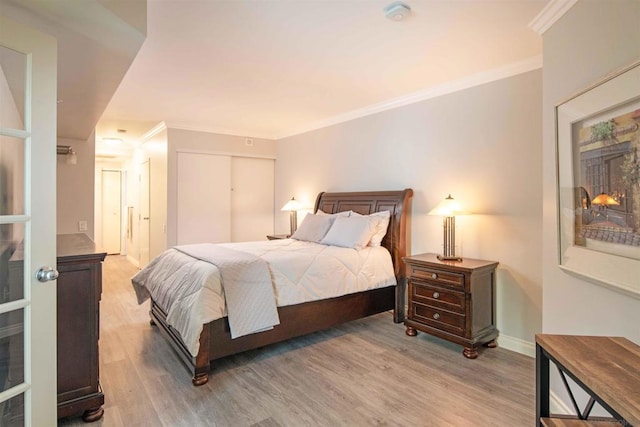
x: 97, y: 42
x: 274, y: 68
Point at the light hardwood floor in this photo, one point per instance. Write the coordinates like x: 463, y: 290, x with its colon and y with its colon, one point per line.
x: 364, y: 373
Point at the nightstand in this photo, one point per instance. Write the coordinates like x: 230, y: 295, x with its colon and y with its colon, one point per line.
x: 277, y: 236
x: 453, y: 300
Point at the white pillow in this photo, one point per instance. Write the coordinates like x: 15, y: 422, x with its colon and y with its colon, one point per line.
x: 382, y: 223
x: 313, y: 227
x: 350, y: 232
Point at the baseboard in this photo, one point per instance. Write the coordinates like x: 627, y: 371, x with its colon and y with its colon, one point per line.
x: 556, y: 405
x: 518, y: 345
x: 133, y: 261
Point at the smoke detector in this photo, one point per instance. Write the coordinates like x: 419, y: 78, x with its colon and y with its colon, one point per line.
x: 397, y: 11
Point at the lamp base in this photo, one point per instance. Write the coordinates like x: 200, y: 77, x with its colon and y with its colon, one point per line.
x: 449, y: 258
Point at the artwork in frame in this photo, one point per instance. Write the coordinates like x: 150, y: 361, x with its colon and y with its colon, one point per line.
x: 598, y: 161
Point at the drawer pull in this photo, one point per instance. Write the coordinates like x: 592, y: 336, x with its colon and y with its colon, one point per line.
x: 436, y: 316
x: 434, y: 276
x: 436, y: 295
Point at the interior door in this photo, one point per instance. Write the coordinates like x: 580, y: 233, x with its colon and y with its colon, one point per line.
x: 203, y: 199
x: 28, y: 63
x: 143, y: 220
x: 252, y: 198
x: 111, y: 210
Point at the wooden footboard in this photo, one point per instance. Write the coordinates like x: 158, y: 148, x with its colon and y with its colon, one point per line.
x: 295, y: 321
x: 199, y: 366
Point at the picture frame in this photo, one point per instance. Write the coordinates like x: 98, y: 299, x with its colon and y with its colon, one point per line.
x: 598, y: 182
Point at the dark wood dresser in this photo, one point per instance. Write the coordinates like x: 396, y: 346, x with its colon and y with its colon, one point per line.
x: 79, y: 291
x: 454, y: 300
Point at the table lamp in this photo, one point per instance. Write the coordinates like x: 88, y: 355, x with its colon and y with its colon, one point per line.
x: 293, y: 206
x: 448, y: 209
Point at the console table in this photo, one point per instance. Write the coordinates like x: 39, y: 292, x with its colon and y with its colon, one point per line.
x: 606, y: 368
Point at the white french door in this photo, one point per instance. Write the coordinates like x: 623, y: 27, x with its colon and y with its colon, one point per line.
x: 28, y: 73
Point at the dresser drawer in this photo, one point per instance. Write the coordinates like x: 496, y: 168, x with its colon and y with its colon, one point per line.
x: 435, y: 296
x: 438, y: 277
x: 440, y: 319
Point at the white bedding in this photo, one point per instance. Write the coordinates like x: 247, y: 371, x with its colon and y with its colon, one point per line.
x: 191, y: 292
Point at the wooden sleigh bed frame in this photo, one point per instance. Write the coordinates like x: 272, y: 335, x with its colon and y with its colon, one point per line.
x: 300, y: 319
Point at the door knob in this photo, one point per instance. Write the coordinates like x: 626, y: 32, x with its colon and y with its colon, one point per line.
x: 46, y: 274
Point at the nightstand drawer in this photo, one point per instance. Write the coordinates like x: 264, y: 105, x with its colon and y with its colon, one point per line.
x: 441, y: 319
x: 439, y: 277
x: 424, y: 293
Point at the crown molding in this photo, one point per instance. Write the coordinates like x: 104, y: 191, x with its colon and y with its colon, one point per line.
x: 153, y: 132
x: 478, y: 79
x: 220, y: 131
x: 553, y: 11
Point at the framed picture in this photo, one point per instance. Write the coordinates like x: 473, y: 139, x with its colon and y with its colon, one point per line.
x: 598, y: 160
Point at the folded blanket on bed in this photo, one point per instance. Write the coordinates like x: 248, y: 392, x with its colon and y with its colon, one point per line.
x: 251, y: 303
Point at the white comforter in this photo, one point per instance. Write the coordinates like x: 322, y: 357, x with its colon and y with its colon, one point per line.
x: 192, y: 294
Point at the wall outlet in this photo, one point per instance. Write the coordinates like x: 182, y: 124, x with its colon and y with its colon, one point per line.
x: 82, y: 225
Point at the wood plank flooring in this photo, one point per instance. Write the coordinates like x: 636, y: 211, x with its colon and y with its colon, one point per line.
x: 364, y: 373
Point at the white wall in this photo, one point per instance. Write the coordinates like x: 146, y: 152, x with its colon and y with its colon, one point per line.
x: 591, y: 40
x: 155, y: 150
x: 75, y: 186
x: 572, y: 305
x: 482, y: 145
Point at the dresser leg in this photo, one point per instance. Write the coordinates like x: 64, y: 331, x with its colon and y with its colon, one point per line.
x: 93, y: 414
x: 470, y: 352
x: 411, y: 331
x: 152, y: 322
x: 491, y: 344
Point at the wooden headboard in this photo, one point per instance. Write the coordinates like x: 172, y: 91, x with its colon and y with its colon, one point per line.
x: 365, y: 203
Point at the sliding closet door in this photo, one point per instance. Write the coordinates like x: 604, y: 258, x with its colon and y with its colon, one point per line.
x: 252, y: 194
x: 204, y: 207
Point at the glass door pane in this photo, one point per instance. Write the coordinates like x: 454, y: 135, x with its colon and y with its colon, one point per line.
x: 11, y: 175
x: 11, y: 350
x: 13, y: 72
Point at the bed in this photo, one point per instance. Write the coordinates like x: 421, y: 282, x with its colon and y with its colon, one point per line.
x: 215, y: 339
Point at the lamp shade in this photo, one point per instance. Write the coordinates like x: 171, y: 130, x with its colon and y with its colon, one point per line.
x: 604, y: 199
x: 292, y: 205
x: 448, y: 207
